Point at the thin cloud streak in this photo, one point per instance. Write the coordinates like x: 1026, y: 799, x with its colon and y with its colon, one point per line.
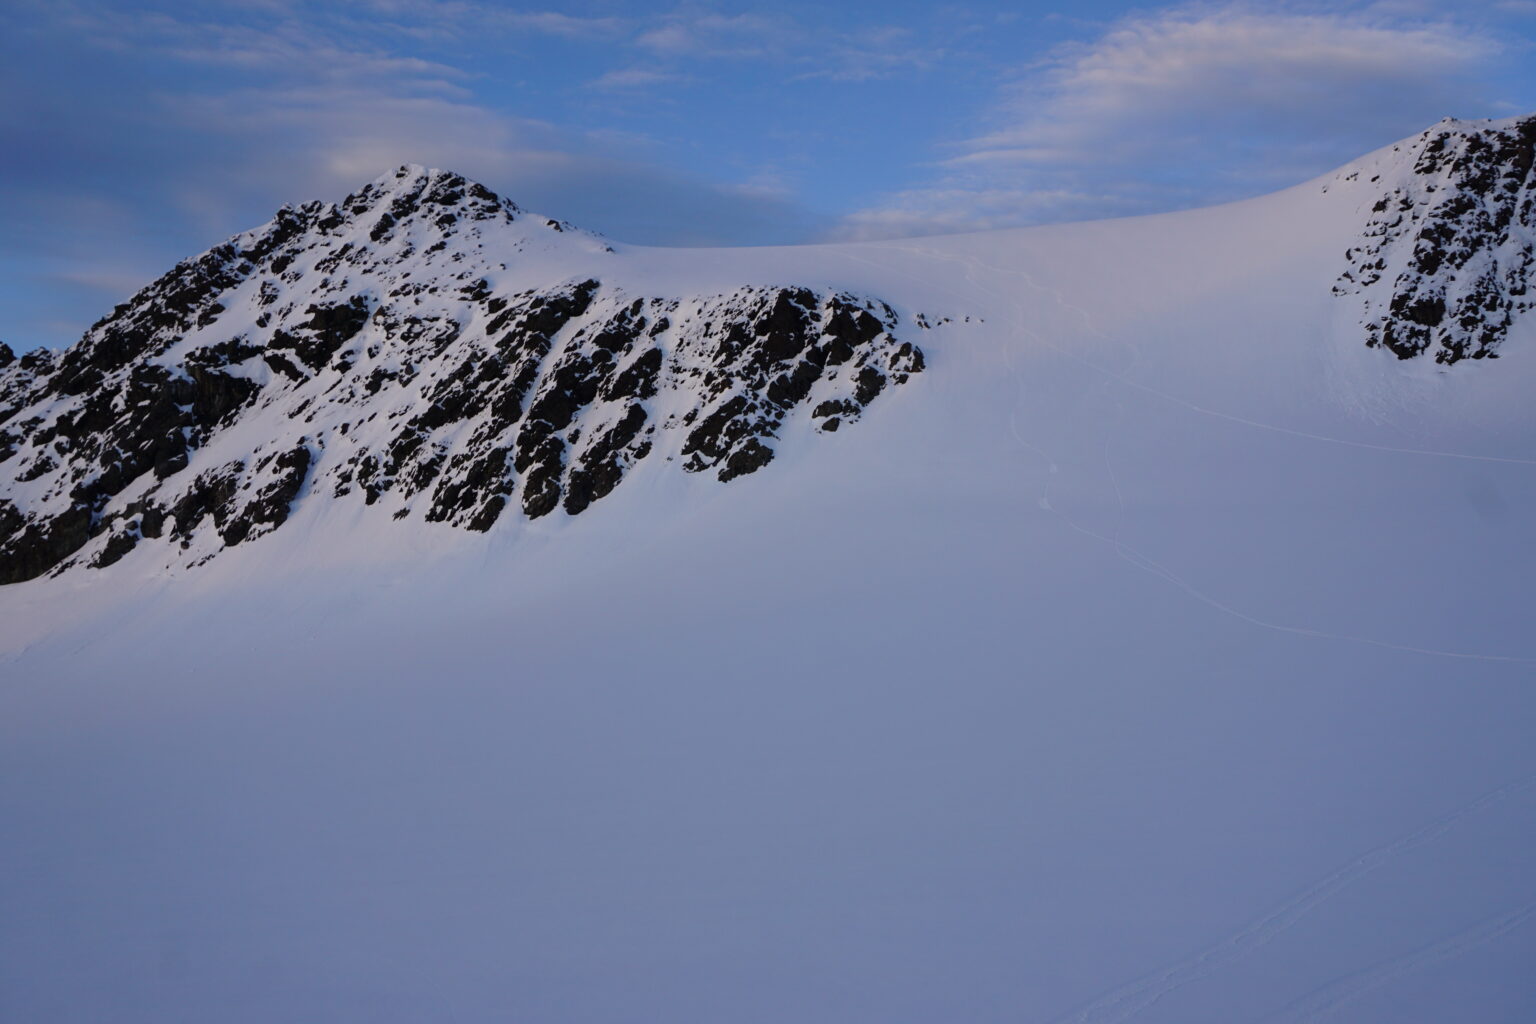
x: 635, y: 78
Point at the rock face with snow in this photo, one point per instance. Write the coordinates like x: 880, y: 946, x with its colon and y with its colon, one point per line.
x: 1447, y: 259
x: 379, y: 351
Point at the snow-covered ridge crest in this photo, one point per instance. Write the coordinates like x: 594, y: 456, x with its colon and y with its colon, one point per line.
x: 1447, y: 257
x: 424, y: 346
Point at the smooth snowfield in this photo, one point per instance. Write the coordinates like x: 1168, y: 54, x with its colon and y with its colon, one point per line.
x: 1160, y: 654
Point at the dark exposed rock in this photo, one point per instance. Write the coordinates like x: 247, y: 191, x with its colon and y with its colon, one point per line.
x: 328, y: 328
x: 152, y: 521
x: 475, y: 487
x: 870, y: 383
x: 907, y: 359
x: 271, y: 505
x: 216, y: 395
x: 791, y: 388
x: 118, y: 545
x: 283, y: 365
x: 485, y: 518
x: 541, y: 484
x: 784, y: 329
x: 747, y: 458
x: 11, y: 521
x: 599, y: 468
x: 637, y: 380
x: 835, y: 407
x: 40, y: 545
x: 713, y: 437
x: 211, y: 494
x: 39, y: 360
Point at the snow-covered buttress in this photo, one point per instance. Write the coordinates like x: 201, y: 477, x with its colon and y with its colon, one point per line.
x: 1446, y: 261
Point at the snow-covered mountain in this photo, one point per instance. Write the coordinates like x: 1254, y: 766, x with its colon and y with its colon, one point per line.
x: 427, y: 610
x: 431, y: 348
x: 425, y: 343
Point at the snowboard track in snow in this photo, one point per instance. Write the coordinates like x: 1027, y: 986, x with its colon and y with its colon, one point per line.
x: 1323, y: 1002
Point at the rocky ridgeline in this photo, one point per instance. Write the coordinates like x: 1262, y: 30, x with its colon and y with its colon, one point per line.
x: 365, y: 351
x: 1449, y: 254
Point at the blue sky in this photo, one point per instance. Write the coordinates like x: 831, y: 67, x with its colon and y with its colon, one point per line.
x: 136, y: 134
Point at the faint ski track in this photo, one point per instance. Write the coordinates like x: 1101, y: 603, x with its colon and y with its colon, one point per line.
x: 969, y: 264
x: 1329, y: 998
x: 1130, y: 999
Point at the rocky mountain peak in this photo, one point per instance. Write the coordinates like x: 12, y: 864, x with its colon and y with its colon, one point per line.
x: 424, y: 346
x: 415, y: 192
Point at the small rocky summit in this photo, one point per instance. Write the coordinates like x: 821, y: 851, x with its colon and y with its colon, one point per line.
x: 1448, y: 256
x: 425, y: 347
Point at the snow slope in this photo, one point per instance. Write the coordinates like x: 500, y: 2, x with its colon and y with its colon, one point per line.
x: 1161, y: 653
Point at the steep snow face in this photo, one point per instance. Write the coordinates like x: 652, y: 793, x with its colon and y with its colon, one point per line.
x: 1447, y: 260
x: 424, y: 346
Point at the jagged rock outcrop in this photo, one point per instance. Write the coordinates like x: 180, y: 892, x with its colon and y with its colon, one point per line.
x: 1449, y: 253
x: 378, y: 350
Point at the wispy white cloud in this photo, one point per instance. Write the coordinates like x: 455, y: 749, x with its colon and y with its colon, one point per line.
x: 556, y: 23
x: 283, y: 48
x: 805, y: 50
x: 972, y: 207
x: 718, y: 36
x: 1185, y: 71
x: 635, y: 78
x: 877, y: 52
x: 466, y: 15
x: 1197, y: 103
x: 328, y: 107
x: 324, y: 141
